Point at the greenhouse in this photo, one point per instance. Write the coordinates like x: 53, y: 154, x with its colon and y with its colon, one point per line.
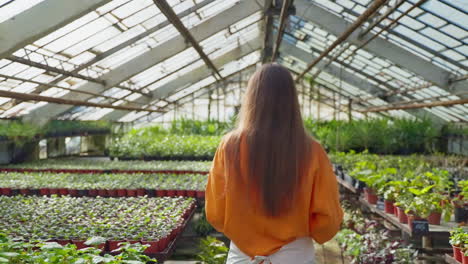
x: 114, y: 115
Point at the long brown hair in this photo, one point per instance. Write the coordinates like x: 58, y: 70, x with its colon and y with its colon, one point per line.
x: 278, y: 145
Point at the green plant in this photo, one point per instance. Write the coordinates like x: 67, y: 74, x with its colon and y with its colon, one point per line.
x: 458, y: 237
x: 202, y: 227
x: 212, y: 251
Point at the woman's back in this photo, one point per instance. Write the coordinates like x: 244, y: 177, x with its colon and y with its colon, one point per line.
x: 271, y: 183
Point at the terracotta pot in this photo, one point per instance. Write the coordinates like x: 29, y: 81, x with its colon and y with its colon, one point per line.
x: 73, y: 192
x: 44, y: 191
x: 93, y: 193
x: 370, y: 196
x: 191, y: 193
x: 140, y: 192
x: 131, y: 193
x: 114, y: 244
x: 112, y: 193
x: 121, y: 192
x: 389, y: 207
x: 402, y: 217
x: 464, y: 259
x: 181, y: 193
x: 457, y: 254
x: 63, y: 191
x: 200, y: 194
x: 161, y: 193
x: 153, y: 247
x: 171, y: 193
x: 53, y: 191
x: 434, y: 218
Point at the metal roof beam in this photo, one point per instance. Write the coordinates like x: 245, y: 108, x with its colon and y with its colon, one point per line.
x: 336, y: 25
x: 194, y: 76
x: 156, y: 55
x: 351, y: 79
x: 40, y: 20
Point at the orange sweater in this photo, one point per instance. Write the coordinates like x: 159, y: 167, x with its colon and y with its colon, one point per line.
x: 317, y: 212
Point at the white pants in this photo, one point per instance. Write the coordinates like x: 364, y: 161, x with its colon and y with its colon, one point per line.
x: 300, y: 251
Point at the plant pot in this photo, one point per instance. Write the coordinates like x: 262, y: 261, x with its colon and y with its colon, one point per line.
x: 200, y: 194
x: 457, y: 254
x: 132, y: 241
x: 93, y: 193
x: 80, y: 244
x: 44, y: 191
x: 161, y: 193
x: 121, y: 192
x: 83, y: 193
x: 164, y: 243
x: 171, y: 193
x: 73, y: 192
x: 140, y: 192
x: 402, y: 217
x: 102, y: 193
x: 181, y: 193
x: 370, y: 196
x: 411, y: 219
x: 53, y: 191
x: 114, y: 244
x: 63, y: 191
x: 15, y: 192
x: 131, y: 193
x: 112, y: 193
x: 24, y: 192
x: 461, y: 215
x: 63, y: 242
x: 191, y: 193
x: 153, y: 247
x: 434, y: 218
x: 33, y: 192
x: 389, y: 207
x: 150, y: 192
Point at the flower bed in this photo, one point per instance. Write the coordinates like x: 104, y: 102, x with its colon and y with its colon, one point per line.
x: 152, y: 221
x: 104, y: 185
x: 107, y: 165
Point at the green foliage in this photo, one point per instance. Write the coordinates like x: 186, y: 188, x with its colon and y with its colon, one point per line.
x: 212, y: 251
x: 202, y: 227
x: 18, y: 252
x: 458, y: 237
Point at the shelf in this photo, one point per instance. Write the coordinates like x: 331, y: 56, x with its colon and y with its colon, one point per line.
x: 449, y: 259
x: 346, y: 185
x: 443, y: 228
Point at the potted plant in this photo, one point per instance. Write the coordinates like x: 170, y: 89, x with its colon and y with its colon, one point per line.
x: 457, y: 237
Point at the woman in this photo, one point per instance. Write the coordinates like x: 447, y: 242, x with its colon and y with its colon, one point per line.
x: 272, y: 189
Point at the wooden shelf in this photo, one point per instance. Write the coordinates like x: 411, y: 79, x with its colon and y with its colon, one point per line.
x: 443, y: 228
x: 449, y: 259
x: 346, y: 185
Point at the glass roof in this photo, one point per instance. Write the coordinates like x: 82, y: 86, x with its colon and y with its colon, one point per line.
x: 115, y: 33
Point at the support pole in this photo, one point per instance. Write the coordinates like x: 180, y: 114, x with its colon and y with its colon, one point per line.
x: 415, y: 106
x: 350, y: 110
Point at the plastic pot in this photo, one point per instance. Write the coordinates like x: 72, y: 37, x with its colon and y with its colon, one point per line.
x: 112, y: 193
x: 44, y: 191
x: 150, y: 192
x: 464, y: 259
x: 411, y: 219
x: 389, y: 207
x: 121, y: 192
x: 191, y: 193
x: 461, y: 214
x: 102, y: 193
x: 54, y: 191
x: 181, y: 193
x: 33, y: 191
x: 153, y: 247
x: 73, y: 192
x: 83, y: 193
x: 171, y: 193
x: 131, y: 193
x: 63, y: 191
x: 24, y: 191
x: 114, y: 244
x: 370, y: 196
x: 200, y: 194
x: 457, y: 254
x: 80, y: 244
x: 164, y: 243
x: 434, y: 218
x: 140, y: 192
x: 402, y: 217
x: 161, y: 193
x: 15, y: 192
x: 93, y: 193
x: 63, y: 242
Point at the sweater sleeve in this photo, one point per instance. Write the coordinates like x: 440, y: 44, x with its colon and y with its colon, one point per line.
x: 326, y: 214
x: 215, y: 198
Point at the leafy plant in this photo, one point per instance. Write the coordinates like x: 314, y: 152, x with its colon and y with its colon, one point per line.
x: 212, y: 251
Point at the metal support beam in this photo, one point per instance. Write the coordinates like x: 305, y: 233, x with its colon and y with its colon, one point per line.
x: 166, y: 9
x: 352, y: 79
x: 268, y: 32
x: 342, y: 37
x: 194, y: 76
x: 279, y: 36
x: 40, y: 20
x: 415, y: 106
x: 156, y: 55
x: 381, y: 18
x: 336, y: 25
x: 35, y: 97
